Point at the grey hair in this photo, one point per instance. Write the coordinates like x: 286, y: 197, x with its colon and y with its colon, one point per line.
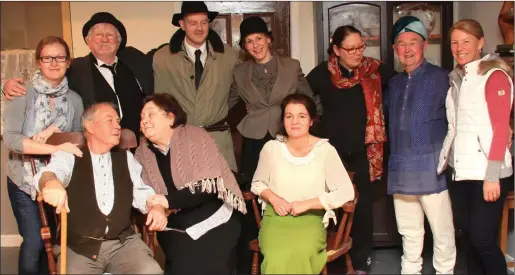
x: 89, y: 113
x: 118, y: 35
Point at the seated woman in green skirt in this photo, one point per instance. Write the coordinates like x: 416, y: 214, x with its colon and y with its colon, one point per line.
x: 300, y: 179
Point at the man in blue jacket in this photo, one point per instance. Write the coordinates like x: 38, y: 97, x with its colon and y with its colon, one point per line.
x: 417, y: 128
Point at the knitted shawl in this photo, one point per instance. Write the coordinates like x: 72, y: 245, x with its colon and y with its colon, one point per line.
x: 195, y: 162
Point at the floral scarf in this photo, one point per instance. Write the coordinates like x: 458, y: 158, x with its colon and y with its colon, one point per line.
x: 375, y: 133
x: 43, y: 116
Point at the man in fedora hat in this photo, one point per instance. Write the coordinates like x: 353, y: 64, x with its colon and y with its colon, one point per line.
x: 196, y: 69
x: 112, y: 72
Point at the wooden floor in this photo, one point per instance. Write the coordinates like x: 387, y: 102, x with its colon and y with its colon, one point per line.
x: 384, y: 261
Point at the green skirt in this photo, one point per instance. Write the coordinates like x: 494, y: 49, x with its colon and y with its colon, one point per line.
x: 292, y: 245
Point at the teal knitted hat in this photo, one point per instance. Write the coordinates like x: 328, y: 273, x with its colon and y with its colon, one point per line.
x: 408, y: 24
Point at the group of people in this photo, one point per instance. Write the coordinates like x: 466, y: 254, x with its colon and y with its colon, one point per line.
x: 443, y: 148
x: 450, y: 157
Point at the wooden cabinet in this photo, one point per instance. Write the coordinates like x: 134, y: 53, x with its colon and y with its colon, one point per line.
x: 375, y: 21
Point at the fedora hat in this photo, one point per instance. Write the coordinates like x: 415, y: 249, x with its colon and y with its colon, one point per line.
x: 105, y: 17
x: 193, y: 7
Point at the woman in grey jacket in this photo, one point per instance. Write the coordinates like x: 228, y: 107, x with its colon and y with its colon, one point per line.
x: 262, y: 82
x: 49, y: 107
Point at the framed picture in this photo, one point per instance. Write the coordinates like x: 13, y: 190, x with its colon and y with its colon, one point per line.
x: 364, y: 17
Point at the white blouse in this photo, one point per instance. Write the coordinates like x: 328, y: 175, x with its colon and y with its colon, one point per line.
x: 320, y: 174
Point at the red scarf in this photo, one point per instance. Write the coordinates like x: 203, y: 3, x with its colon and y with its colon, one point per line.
x: 375, y: 134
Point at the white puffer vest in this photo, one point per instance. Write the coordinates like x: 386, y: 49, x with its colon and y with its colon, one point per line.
x: 468, y: 140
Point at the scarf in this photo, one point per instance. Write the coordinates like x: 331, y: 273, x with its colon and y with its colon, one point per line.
x: 43, y: 116
x: 195, y: 162
x: 375, y: 133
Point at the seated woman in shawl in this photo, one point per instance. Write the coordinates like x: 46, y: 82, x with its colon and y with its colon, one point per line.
x: 299, y: 177
x: 183, y: 163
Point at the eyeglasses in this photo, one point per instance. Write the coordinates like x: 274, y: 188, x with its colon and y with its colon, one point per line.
x: 49, y: 59
x: 353, y: 50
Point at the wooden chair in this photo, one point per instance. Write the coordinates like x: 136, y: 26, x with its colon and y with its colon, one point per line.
x: 127, y: 141
x: 503, y: 228
x: 339, y: 241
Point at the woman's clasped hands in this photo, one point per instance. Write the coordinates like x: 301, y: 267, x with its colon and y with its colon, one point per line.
x: 284, y: 208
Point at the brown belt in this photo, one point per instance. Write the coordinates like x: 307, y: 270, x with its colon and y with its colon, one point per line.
x: 219, y: 126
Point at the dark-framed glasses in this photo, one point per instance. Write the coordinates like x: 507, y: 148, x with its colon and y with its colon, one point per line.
x: 354, y: 50
x: 58, y: 59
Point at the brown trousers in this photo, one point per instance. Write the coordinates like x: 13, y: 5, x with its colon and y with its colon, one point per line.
x: 132, y: 256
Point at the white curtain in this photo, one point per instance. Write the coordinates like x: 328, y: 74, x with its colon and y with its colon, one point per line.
x: 16, y: 63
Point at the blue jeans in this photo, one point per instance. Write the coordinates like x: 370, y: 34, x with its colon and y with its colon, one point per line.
x: 32, y: 258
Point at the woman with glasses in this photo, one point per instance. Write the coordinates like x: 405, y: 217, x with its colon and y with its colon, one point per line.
x: 49, y: 107
x: 351, y: 88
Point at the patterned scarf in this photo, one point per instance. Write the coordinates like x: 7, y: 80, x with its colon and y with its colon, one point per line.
x: 375, y: 133
x: 43, y: 116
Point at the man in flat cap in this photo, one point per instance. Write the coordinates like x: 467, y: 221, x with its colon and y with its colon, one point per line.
x: 196, y: 69
x: 112, y: 72
x: 415, y: 107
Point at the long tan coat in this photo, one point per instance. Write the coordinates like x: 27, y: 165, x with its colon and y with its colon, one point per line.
x: 175, y: 74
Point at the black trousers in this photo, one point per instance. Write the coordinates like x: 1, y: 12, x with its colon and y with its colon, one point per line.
x: 249, y: 160
x: 213, y: 253
x: 362, y: 227
x: 250, y: 149
x: 479, y: 221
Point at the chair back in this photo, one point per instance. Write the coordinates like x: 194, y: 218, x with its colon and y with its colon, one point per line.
x: 249, y: 196
x: 127, y: 140
x: 336, y: 238
x: 73, y: 137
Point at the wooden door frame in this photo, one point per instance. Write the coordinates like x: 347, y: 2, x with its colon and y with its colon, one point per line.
x: 269, y: 7
x: 67, y: 25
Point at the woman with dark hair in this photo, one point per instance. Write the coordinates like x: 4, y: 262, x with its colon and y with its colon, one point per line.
x: 351, y: 88
x: 183, y: 162
x: 300, y: 180
x: 49, y: 107
x: 262, y: 82
x: 478, y: 106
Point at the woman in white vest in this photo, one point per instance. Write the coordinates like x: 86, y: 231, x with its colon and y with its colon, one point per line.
x: 478, y: 111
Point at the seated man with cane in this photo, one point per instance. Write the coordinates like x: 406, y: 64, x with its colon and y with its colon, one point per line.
x: 98, y: 191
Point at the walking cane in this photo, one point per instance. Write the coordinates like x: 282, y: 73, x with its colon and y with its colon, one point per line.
x: 64, y: 233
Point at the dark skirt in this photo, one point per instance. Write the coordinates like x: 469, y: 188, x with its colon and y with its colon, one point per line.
x: 362, y: 227
x: 213, y: 253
